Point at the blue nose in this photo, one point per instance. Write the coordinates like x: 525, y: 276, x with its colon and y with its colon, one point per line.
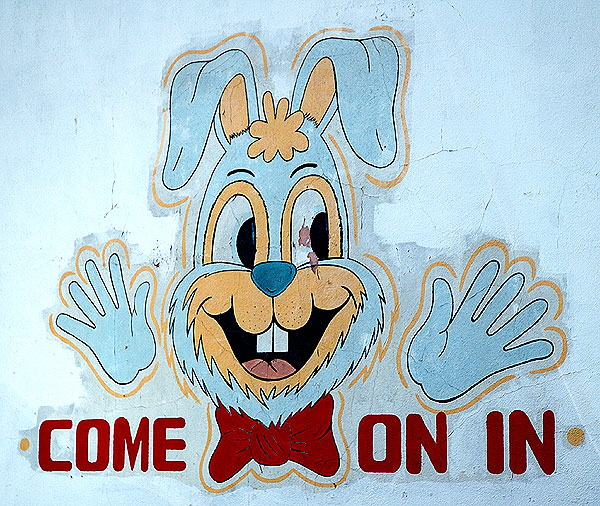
x: 272, y: 278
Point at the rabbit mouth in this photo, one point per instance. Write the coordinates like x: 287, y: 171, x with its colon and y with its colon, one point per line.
x: 276, y: 353
x: 272, y: 343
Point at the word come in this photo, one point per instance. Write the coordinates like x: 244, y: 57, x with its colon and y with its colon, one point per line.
x: 120, y: 440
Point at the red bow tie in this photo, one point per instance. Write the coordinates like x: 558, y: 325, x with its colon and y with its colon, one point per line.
x: 305, y: 438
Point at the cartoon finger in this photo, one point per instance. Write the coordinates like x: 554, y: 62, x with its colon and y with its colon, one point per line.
x: 140, y: 299
x: 430, y: 339
x: 441, y: 304
x: 116, y: 276
x: 525, y: 319
x: 98, y: 285
x: 74, y: 327
x: 533, y: 350
x: 479, y: 288
x: 83, y: 301
x: 502, y: 299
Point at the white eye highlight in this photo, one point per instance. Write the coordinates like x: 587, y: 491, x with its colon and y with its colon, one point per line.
x: 234, y: 214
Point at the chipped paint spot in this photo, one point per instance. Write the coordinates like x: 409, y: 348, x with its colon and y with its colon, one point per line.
x: 304, y: 236
x: 314, y: 261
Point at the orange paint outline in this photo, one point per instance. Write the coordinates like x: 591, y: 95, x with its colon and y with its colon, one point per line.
x: 76, y: 347
x: 349, y: 178
x: 206, y: 51
x: 507, y: 265
x: 373, y: 180
x: 278, y: 479
x: 381, y: 351
x: 303, y: 45
x: 182, y: 383
x: 415, y: 319
x: 554, y: 287
x: 563, y: 355
x: 157, y: 199
x: 259, y: 210
x: 60, y: 285
x: 163, y: 321
x: 323, y: 187
x: 79, y: 253
x: 120, y: 243
x: 393, y: 182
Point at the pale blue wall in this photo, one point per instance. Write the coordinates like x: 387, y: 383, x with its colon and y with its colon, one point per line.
x: 502, y: 110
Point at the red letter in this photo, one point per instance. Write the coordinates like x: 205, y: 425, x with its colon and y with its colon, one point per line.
x: 418, y: 436
x: 521, y: 432
x: 161, y: 444
x: 45, y: 443
x: 122, y: 438
x: 82, y: 460
x: 393, y: 457
x: 495, y: 442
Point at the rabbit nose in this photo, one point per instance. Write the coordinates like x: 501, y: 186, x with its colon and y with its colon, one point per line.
x: 273, y: 277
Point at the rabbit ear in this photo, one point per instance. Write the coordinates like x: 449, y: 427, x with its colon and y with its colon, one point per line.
x: 233, y: 109
x: 359, y: 79
x: 319, y: 91
x: 199, y: 89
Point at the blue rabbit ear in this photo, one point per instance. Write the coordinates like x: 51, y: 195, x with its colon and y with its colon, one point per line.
x: 199, y: 89
x: 359, y: 79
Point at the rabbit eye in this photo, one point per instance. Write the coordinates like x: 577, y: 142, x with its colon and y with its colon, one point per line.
x: 246, y: 243
x: 319, y: 236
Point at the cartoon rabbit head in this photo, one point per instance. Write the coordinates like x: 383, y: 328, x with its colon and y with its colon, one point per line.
x: 274, y: 313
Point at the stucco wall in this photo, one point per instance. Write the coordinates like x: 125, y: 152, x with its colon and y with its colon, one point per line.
x: 502, y: 117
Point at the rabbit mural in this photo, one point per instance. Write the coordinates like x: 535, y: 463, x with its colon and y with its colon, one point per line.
x: 278, y: 336
x: 274, y: 314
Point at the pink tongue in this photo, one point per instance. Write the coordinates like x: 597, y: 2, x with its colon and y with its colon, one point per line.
x: 276, y: 369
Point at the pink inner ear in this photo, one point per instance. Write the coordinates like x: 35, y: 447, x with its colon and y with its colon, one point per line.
x: 319, y: 91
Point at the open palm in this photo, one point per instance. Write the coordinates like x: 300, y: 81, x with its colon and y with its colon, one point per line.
x: 454, y: 351
x: 120, y: 337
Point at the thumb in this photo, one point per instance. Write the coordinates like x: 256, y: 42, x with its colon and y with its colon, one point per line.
x: 441, y: 304
x: 428, y: 343
x: 141, y: 298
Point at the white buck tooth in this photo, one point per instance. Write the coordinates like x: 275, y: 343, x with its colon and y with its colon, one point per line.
x: 280, y: 340
x: 264, y: 341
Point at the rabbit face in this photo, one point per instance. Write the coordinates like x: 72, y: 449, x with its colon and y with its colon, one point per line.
x: 274, y: 313
x: 263, y: 319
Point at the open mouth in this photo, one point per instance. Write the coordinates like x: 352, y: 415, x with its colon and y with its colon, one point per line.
x: 276, y: 353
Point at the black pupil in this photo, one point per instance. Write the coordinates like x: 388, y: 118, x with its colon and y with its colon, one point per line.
x: 319, y: 236
x: 246, y: 243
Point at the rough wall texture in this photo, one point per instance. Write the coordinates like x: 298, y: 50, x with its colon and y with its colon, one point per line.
x: 307, y: 266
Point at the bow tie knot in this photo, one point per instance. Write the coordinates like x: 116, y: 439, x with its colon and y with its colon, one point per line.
x: 271, y: 446
x: 305, y: 438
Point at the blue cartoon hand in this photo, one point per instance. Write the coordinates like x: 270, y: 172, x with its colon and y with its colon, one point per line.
x: 454, y: 351
x: 121, y: 339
